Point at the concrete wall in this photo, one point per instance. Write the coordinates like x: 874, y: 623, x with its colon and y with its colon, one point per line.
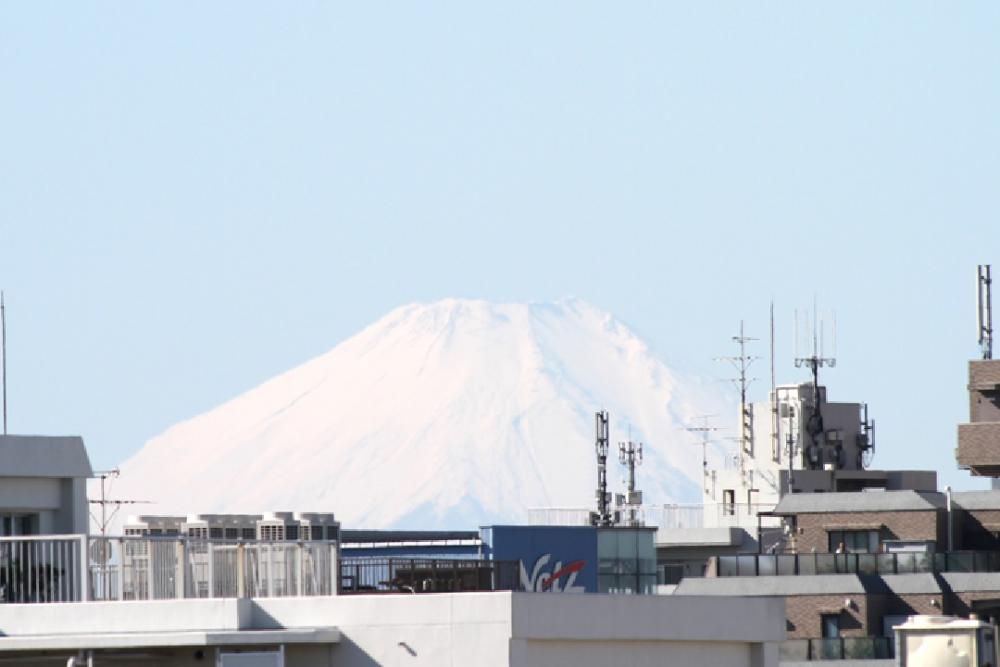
x: 531, y: 653
x: 481, y: 629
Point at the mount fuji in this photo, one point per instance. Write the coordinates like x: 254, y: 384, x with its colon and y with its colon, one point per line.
x: 453, y: 414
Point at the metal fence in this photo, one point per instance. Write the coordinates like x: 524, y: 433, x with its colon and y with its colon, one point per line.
x: 42, y: 569
x: 427, y: 575
x: 163, y: 568
x: 836, y: 648
x: 751, y: 565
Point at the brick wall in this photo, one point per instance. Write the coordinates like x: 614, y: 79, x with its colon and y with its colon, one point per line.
x: 916, y: 525
x: 960, y: 604
x: 803, y: 614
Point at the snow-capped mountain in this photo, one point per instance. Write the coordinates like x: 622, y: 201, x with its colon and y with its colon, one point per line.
x: 453, y: 414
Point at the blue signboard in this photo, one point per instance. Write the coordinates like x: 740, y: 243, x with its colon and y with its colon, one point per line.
x: 557, y: 559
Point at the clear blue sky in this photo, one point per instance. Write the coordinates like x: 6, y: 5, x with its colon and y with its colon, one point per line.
x: 197, y: 196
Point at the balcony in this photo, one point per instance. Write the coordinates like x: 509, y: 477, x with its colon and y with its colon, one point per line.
x: 979, y: 448
x: 836, y: 648
x: 759, y: 565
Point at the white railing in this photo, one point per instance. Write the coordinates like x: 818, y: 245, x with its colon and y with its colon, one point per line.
x: 50, y: 568
x: 162, y: 568
x: 73, y: 568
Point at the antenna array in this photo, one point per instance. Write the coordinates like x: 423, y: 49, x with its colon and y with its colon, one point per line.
x: 814, y: 426
x: 630, y: 455
x: 603, y: 516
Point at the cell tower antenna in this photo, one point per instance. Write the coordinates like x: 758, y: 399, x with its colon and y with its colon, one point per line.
x: 742, y: 364
x: 984, y: 311
x: 704, y: 430
x: 603, y: 515
x: 3, y: 360
x: 630, y: 455
x: 814, y: 426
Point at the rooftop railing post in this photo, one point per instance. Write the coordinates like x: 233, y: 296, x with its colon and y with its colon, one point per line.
x: 300, y: 561
x: 241, y: 584
x: 180, y: 573
x: 84, y: 567
x: 334, y: 548
x: 121, y: 569
x: 210, y: 567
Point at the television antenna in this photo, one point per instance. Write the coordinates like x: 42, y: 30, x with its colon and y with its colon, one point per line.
x: 104, y: 502
x: 704, y: 430
x: 984, y: 310
x: 742, y: 364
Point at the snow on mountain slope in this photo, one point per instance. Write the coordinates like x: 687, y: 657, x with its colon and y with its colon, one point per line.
x: 448, y: 415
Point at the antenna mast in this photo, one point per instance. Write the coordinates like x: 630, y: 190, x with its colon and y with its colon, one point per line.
x: 984, y: 313
x: 775, y: 438
x: 704, y: 429
x: 630, y: 455
x: 742, y: 364
x: 814, y: 425
x: 603, y: 515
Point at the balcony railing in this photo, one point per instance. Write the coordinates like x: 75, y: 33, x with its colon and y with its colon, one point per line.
x: 752, y: 565
x: 836, y: 648
x: 74, y: 568
x: 163, y: 568
x: 427, y: 575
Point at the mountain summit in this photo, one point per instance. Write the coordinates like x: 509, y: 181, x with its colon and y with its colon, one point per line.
x: 453, y: 414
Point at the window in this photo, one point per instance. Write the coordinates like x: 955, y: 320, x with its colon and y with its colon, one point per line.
x: 853, y: 541
x: 232, y: 533
x: 291, y: 532
x: 249, y: 533
x: 830, y: 625
x: 215, y: 533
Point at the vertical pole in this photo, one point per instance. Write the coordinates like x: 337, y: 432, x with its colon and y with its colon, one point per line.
x: 3, y: 360
x: 334, y: 568
x: 241, y: 587
x: 775, y: 438
x: 121, y: 569
x: 84, y: 574
x: 180, y: 576
x: 300, y: 562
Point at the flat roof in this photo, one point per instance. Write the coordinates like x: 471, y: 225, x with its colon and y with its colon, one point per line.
x: 976, y: 500
x: 43, y: 456
x: 394, y: 536
x: 812, y: 584
x: 859, y: 501
x: 116, y: 640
